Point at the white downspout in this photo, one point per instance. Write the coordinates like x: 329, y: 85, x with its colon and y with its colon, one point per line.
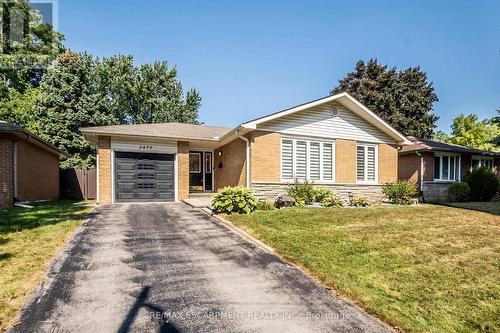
x: 247, y: 173
x: 421, y: 171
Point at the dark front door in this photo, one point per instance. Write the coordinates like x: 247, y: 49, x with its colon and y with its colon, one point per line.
x: 200, y: 171
x: 144, y: 177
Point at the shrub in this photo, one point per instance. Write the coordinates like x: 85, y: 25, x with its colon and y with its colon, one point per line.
x: 302, y: 192
x: 401, y: 192
x: 234, y: 200
x: 321, y: 194
x: 264, y: 205
x: 483, y: 184
x: 459, y: 192
x: 360, y: 202
x: 332, y: 200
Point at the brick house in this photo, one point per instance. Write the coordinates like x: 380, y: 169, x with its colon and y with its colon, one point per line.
x: 433, y: 166
x: 29, y: 166
x: 335, y: 141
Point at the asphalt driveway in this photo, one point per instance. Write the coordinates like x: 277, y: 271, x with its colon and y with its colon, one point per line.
x: 169, y: 268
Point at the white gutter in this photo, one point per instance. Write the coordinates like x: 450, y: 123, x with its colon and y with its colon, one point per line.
x: 247, y: 173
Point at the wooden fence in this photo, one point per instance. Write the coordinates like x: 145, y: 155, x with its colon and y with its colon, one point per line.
x: 78, y: 184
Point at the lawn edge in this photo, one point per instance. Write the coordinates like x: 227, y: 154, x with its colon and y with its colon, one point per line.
x: 334, y: 292
x: 51, y: 270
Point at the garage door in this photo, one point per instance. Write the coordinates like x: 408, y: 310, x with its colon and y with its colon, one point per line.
x: 144, y: 177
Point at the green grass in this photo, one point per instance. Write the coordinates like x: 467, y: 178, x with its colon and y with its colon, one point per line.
x: 427, y: 268
x: 29, y: 238
x: 492, y: 207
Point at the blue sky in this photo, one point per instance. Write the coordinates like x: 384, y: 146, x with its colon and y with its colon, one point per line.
x: 249, y: 58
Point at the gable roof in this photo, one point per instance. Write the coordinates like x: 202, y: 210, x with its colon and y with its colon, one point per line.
x: 25, y: 134
x: 347, y: 100
x: 176, y: 131
x: 419, y: 144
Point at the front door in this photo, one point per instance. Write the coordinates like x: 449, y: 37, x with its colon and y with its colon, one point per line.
x: 200, y: 171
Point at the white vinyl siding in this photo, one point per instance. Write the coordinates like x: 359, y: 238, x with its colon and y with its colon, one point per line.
x: 447, y: 167
x: 366, y: 163
x: 307, y: 159
x: 318, y: 122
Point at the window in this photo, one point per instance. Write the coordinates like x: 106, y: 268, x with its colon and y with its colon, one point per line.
x: 305, y: 159
x: 366, y: 163
x: 447, y: 167
x: 208, y: 162
x: 482, y: 161
x: 195, y: 162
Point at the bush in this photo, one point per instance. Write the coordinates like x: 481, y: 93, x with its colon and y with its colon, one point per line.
x: 234, y: 200
x: 321, y: 194
x: 401, y: 192
x: 332, y: 200
x: 302, y: 193
x: 459, y: 192
x: 360, y: 202
x: 264, y: 205
x: 483, y: 184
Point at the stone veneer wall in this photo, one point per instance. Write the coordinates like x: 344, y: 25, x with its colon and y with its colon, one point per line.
x: 272, y: 190
x: 435, y: 191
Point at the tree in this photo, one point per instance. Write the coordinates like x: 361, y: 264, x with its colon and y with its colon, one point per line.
x: 67, y: 101
x: 404, y: 98
x: 440, y: 136
x: 18, y: 108
x: 496, y: 121
x: 469, y: 131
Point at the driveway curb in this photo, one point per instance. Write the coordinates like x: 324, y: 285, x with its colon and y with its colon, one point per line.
x: 53, y: 268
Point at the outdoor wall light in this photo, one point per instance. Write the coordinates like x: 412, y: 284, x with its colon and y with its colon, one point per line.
x: 220, y: 153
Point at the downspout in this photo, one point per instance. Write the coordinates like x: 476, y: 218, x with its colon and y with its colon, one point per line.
x: 421, y: 171
x: 247, y: 173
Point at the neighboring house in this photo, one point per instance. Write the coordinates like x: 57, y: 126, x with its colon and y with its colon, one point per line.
x: 29, y: 166
x: 335, y: 142
x: 434, y: 165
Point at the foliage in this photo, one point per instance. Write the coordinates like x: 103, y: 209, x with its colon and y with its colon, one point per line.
x: 264, y: 205
x: 357, y: 201
x: 332, y: 200
x: 402, y: 98
x: 234, y: 200
x: 68, y: 101
x: 469, y: 131
x: 459, y: 192
x: 440, y: 136
x: 284, y: 200
x: 483, y: 184
x: 320, y: 193
x: 302, y: 192
x: 18, y: 108
x: 401, y: 192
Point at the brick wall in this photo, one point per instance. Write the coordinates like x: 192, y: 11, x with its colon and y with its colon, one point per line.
x: 104, y: 170
x: 6, y: 171
x: 345, y: 161
x: 409, y: 168
x: 265, y: 151
x: 183, y: 169
x: 387, y: 163
x: 233, y: 168
x: 37, y: 172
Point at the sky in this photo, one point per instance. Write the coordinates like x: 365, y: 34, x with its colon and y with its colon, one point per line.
x: 251, y: 58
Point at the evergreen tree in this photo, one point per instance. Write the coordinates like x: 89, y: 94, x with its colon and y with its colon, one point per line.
x: 404, y: 99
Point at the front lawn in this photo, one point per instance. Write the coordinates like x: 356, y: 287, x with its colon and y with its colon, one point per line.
x: 492, y: 207
x: 425, y: 269
x: 29, y: 238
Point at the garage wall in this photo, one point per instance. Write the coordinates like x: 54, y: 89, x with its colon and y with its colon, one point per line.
x: 104, y: 156
x: 37, y: 172
x: 6, y: 174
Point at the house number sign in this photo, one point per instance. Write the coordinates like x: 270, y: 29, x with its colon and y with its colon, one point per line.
x: 145, y: 147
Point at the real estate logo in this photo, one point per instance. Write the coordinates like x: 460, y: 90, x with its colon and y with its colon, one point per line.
x: 28, y: 33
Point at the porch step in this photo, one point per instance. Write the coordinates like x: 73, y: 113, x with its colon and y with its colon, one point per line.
x: 199, y: 202
x: 201, y: 194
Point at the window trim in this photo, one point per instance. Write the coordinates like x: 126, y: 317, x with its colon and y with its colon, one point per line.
x: 308, y: 141
x: 366, y: 145
x: 440, y: 155
x: 199, y: 162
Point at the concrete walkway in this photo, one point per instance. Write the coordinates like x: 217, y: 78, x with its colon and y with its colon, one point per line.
x: 169, y: 268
